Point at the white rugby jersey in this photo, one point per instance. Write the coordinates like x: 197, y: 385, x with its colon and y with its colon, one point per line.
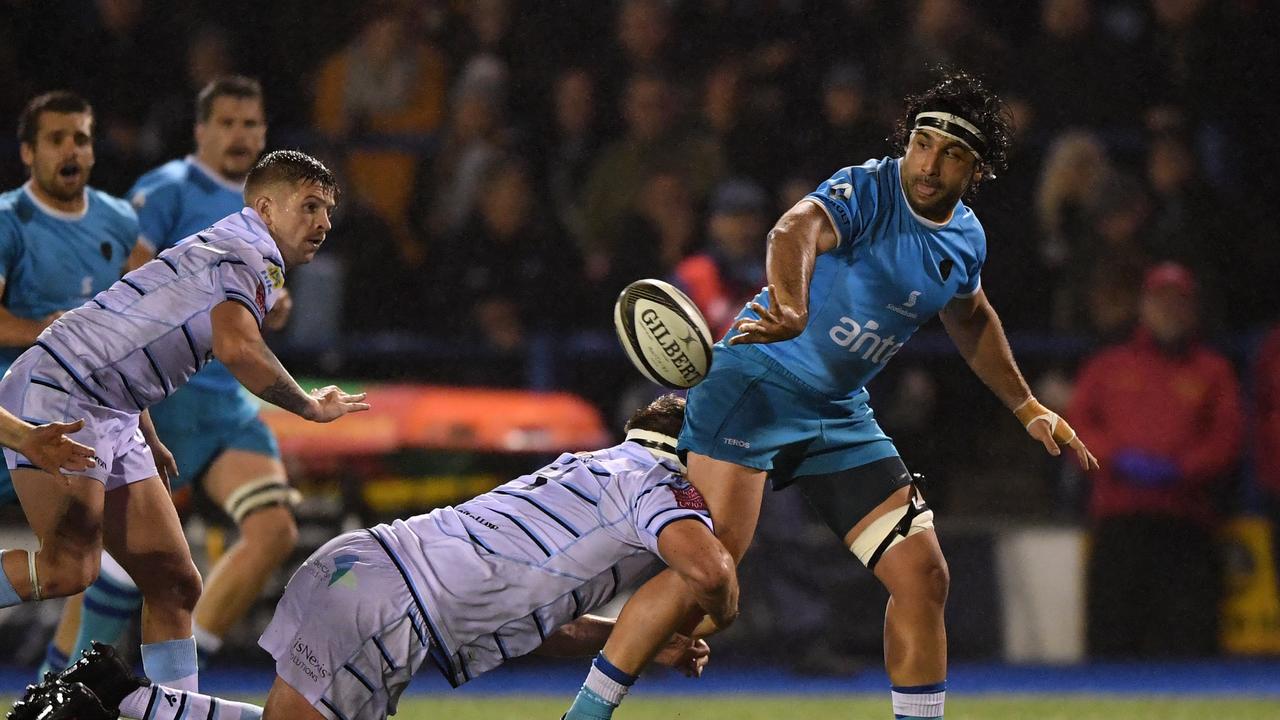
x: 497, y: 574
x: 139, y: 340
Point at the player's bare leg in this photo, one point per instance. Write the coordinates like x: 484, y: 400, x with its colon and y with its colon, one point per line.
x: 145, y: 537
x: 915, y: 573
x: 66, y: 516
x: 63, y: 642
x: 285, y: 703
x: 663, y: 605
x: 267, y: 539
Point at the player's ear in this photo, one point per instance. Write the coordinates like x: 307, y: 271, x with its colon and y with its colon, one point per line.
x: 265, y: 208
x: 27, y: 152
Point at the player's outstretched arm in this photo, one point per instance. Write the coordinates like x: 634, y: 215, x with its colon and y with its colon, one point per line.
x: 46, y: 446
x: 977, y: 333
x: 238, y: 343
x: 800, y: 235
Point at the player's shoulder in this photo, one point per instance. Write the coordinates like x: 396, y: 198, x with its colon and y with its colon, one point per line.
x: 9, y: 201
x: 113, y: 212
x: 970, y: 227
x: 164, y: 180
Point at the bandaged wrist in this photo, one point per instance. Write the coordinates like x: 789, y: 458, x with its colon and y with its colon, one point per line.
x: 1031, y: 410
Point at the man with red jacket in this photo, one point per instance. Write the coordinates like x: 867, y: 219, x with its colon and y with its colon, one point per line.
x: 1163, y: 415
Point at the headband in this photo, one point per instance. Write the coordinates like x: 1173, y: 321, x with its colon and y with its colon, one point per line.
x: 661, y: 446
x: 955, y: 127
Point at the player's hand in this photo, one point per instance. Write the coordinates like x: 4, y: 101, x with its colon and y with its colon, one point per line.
x: 279, y: 314
x: 166, y: 465
x: 332, y: 403
x: 1040, y: 430
x: 685, y: 654
x: 776, y: 323
x: 48, y: 448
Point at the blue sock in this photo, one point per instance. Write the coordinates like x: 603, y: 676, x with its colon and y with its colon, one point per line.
x: 172, y: 663
x: 919, y: 702
x: 55, y: 661
x: 604, y: 689
x: 109, y: 607
x: 8, y: 596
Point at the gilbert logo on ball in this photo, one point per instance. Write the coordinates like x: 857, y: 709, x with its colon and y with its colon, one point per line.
x: 663, y: 333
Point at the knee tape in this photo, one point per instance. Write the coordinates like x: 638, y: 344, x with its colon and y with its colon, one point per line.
x: 259, y: 494
x: 35, y: 579
x: 892, y: 528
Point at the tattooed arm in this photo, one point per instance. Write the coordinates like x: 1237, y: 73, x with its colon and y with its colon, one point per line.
x: 238, y: 343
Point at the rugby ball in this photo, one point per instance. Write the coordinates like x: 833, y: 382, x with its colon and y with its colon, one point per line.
x: 663, y: 333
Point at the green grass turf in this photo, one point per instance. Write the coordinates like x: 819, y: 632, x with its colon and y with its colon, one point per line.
x: 853, y: 707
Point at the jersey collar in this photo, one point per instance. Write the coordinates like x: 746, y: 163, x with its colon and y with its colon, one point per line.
x: 214, y: 176
x: 660, y: 446
x: 54, y: 212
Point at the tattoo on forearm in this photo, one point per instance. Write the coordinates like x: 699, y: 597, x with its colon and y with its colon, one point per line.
x: 285, y: 395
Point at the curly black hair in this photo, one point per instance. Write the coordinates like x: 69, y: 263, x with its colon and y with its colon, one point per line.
x: 664, y: 415
x: 966, y: 95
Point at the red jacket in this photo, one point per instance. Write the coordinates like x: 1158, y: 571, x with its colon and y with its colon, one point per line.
x: 1267, y: 380
x: 1182, y: 407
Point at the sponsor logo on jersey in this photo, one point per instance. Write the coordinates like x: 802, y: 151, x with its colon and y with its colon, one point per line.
x: 910, y: 303
x: 342, y: 566
x: 688, y: 497
x: 260, y: 297
x: 736, y: 442
x: 862, y: 340
x: 306, y: 660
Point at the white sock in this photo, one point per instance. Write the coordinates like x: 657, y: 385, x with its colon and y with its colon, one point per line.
x: 920, y: 701
x: 159, y: 702
x: 610, y: 690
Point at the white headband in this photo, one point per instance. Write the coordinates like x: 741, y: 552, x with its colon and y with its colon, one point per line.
x: 660, y: 445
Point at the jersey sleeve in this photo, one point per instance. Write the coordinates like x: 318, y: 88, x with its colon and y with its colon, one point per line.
x: 10, y: 244
x: 157, y: 206
x: 666, y: 498
x: 243, y: 274
x: 974, y: 282
x: 840, y: 200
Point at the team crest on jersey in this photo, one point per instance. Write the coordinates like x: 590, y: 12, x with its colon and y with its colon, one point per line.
x: 274, y: 276
x: 945, y: 267
x: 688, y: 497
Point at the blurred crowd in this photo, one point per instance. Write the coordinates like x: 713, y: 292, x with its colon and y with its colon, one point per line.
x: 509, y: 165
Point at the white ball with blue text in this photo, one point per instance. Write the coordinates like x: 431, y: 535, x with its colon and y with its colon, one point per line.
x: 664, y: 334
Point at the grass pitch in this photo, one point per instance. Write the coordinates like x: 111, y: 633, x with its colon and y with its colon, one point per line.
x: 846, y: 707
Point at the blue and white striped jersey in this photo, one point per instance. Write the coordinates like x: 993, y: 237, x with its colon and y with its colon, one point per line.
x: 500, y: 572
x: 139, y: 340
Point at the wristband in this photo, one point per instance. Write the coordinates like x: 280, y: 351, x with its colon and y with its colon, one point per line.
x: 1031, y: 410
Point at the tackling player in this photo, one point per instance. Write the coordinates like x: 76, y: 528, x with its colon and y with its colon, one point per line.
x: 462, y: 589
x: 61, y: 242
x: 128, y: 348
x: 854, y: 269
x: 212, y: 424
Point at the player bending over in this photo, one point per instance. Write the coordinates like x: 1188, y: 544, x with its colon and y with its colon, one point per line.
x: 462, y: 589
x: 129, y: 347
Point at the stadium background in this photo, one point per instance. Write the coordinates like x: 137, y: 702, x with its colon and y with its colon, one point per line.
x: 508, y: 166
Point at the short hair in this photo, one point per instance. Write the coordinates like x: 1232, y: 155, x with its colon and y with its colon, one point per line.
x: 291, y: 167
x: 237, y: 86
x: 664, y: 415
x: 963, y: 94
x: 58, y: 101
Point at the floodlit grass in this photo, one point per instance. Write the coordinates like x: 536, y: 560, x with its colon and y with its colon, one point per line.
x: 852, y: 707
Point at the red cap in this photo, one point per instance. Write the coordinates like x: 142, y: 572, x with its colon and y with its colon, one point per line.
x: 1170, y: 275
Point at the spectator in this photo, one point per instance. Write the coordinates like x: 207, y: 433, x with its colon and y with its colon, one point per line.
x: 384, y: 82
x: 651, y: 142
x: 849, y: 126
x: 572, y: 143
x: 1266, y: 380
x: 730, y: 271
x: 1163, y: 414
x: 501, y: 264
x: 1076, y: 170
x: 167, y: 131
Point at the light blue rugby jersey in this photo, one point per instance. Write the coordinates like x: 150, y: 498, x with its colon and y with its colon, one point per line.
x: 51, y: 260
x: 891, y: 271
x: 175, y: 201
